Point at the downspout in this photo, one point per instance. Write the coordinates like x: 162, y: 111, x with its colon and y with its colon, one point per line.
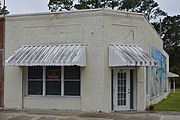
x: 3, y: 53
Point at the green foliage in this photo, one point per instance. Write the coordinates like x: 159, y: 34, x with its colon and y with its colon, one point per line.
x: 171, y: 32
x: 171, y: 103
x: 149, y: 7
x: 171, y: 41
x: 60, y: 5
x: 174, y: 63
x: 130, y: 5
x: 82, y: 5
x: 89, y: 4
x: 92, y: 4
x: 171, y: 37
x: 3, y: 10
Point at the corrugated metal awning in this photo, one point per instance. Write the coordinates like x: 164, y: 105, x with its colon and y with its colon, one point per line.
x: 171, y: 74
x: 129, y: 55
x: 49, y: 55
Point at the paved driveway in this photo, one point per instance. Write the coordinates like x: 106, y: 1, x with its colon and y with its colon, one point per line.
x: 170, y: 117
x: 78, y: 115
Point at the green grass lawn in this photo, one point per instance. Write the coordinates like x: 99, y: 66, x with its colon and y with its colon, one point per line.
x: 172, y: 103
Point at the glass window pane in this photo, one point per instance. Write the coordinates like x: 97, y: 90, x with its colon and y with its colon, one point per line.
x: 53, y: 87
x: 119, y: 102
x: 124, y: 102
x: 72, y: 88
x: 35, y: 87
x: 72, y: 72
x: 53, y: 73
x: 35, y: 72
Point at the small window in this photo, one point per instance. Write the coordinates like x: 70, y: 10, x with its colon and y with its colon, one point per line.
x: 53, y: 88
x: 35, y: 81
x: 53, y: 80
x: 53, y: 73
x: 72, y: 81
x: 72, y: 72
x: 35, y: 87
x: 35, y: 72
x: 72, y: 88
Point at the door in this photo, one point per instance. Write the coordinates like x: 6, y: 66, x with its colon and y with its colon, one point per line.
x: 121, y: 90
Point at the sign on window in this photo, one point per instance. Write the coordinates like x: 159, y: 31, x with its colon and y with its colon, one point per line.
x: 53, y: 74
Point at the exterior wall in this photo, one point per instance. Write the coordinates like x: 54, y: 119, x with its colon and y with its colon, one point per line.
x: 52, y: 103
x: 124, y: 28
x: 13, y: 87
x: 97, y: 29
x: 130, y: 28
x: 1, y: 61
x: 84, y: 27
x: 154, y: 39
x: 141, y: 87
x: 155, y: 100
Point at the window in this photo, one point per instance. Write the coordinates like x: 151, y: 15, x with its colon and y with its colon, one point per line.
x: 35, y: 81
x: 54, y: 80
x: 72, y: 80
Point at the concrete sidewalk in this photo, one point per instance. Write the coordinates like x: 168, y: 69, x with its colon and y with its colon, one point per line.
x: 34, y: 114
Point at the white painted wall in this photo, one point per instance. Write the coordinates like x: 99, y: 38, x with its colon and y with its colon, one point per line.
x: 97, y: 29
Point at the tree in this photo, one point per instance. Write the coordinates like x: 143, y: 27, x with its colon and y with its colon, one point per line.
x: 171, y: 39
x: 129, y: 5
x: 3, y: 10
x: 60, y: 5
x: 170, y: 32
x: 88, y: 4
x: 149, y: 7
x: 92, y: 4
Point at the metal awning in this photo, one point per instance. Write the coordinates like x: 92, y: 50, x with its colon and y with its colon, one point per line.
x: 129, y: 55
x: 49, y: 55
x: 171, y: 74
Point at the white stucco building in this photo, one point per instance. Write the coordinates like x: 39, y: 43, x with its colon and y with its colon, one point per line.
x: 90, y: 60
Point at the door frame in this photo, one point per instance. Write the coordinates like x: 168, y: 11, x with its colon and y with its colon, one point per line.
x: 134, y: 79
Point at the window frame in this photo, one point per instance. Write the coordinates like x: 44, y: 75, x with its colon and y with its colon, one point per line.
x: 44, y: 83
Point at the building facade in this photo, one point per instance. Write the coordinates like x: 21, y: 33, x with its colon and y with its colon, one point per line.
x: 91, y: 60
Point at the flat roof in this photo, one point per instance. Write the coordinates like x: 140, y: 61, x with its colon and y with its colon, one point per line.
x: 73, y: 11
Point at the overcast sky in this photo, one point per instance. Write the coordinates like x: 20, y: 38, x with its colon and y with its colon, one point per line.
x: 172, y: 7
